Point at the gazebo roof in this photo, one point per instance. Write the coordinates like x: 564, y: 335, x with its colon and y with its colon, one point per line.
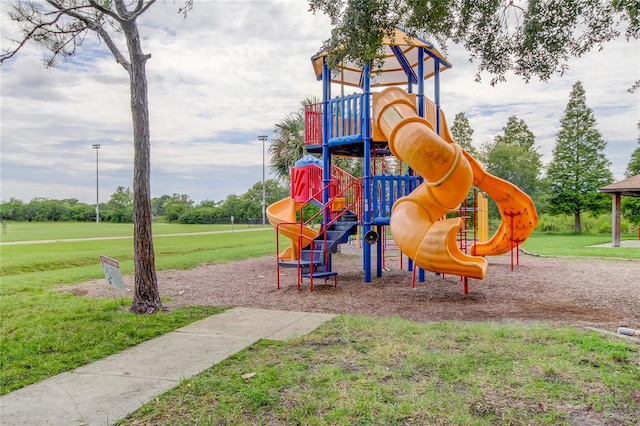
x: 400, y: 63
x: 629, y: 187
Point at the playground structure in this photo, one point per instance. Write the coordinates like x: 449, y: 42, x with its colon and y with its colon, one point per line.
x: 424, y: 204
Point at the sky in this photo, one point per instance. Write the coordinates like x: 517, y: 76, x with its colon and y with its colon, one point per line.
x: 229, y: 73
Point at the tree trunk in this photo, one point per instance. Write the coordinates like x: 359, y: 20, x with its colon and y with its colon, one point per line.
x: 577, y: 228
x: 146, y: 297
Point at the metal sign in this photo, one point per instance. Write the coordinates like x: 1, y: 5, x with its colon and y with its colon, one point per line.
x: 112, y: 272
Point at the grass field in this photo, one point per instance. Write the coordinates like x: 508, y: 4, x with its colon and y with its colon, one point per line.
x: 44, y: 332
x: 32, y: 231
x: 569, y: 244
x: 364, y: 371
x: 354, y: 370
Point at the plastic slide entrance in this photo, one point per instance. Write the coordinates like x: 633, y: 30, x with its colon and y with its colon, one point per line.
x: 418, y: 220
x: 282, y: 216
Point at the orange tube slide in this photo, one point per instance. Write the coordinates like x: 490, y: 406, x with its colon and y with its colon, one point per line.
x: 519, y: 215
x: 282, y: 216
x: 417, y: 219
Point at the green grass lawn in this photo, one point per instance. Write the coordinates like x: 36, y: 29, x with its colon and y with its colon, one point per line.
x: 44, y: 331
x: 364, y: 371
x: 352, y: 371
x: 578, y: 245
x: 31, y: 231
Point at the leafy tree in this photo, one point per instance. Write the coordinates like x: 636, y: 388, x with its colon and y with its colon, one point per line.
x: 500, y: 35
x: 209, y: 203
x: 633, y: 168
x: 176, y: 205
x: 579, y: 166
x: 631, y: 205
x: 199, y: 215
x: 513, y: 156
x: 462, y: 133
x: 120, y: 206
x: 273, y: 192
x: 272, y: 189
x: 81, y: 213
x: 158, y: 205
x: 44, y: 210
x: 240, y: 207
x: 13, y: 209
x: 60, y: 27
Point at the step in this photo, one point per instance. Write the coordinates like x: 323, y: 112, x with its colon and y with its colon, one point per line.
x: 319, y: 244
x: 318, y: 256
x: 320, y: 274
x: 302, y: 263
x: 337, y: 235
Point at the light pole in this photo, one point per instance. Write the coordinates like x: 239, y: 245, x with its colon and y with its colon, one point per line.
x: 97, y: 148
x: 263, y: 138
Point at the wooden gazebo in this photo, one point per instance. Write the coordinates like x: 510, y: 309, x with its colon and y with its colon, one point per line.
x: 629, y: 187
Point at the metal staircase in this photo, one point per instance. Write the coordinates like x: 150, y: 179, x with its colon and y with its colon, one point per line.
x: 314, y: 260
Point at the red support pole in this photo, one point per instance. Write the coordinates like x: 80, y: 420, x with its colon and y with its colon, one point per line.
x: 511, y: 241
x: 413, y: 276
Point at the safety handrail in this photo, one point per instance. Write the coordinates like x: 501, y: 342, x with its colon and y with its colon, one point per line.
x: 346, y: 118
x: 312, y: 260
x: 313, y: 124
x: 278, y: 259
x: 351, y: 187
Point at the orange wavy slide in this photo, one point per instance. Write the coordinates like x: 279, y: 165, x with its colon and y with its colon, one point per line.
x: 283, y: 213
x: 416, y: 219
x: 518, y: 213
x: 449, y: 172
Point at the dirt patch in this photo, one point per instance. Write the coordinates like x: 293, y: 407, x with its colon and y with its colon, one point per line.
x: 599, y: 292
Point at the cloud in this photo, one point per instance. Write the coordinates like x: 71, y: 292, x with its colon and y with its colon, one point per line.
x: 228, y: 73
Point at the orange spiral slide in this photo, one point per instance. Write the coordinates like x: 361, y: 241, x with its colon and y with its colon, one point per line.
x: 417, y: 220
x: 282, y: 216
x: 518, y: 213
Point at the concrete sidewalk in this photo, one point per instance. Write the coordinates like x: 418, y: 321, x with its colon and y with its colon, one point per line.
x: 109, y: 389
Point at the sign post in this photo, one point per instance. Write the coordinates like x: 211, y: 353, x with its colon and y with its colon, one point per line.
x: 112, y: 273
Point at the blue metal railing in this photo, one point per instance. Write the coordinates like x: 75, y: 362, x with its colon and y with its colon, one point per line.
x: 387, y: 189
x: 347, y: 115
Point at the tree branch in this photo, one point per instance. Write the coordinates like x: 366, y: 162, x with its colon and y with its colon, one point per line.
x: 98, y: 28
x: 140, y: 9
x: 188, y: 7
x: 29, y: 36
x: 122, y: 10
x: 105, y: 11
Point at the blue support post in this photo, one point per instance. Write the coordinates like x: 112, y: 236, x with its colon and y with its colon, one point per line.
x: 326, y: 154
x: 421, y: 82
x: 366, y: 175
x: 326, y: 132
x: 379, y: 250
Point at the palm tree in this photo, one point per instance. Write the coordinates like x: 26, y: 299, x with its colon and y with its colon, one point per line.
x: 287, y: 146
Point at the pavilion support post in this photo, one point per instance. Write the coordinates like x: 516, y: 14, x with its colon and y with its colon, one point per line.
x: 615, y: 226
